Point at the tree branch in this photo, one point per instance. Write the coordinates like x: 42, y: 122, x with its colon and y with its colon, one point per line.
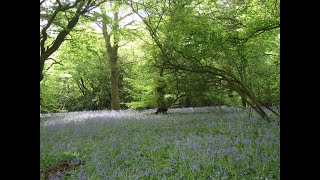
x: 256, y: 33
x: 129, y: 23
x: 60, y: 5
x: 123, y: 64
x: 41, y: 2
x: 94, y: 5
x: 55, y: 62
x: 129, y: 14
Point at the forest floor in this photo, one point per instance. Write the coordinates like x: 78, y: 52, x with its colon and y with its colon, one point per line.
x: 186, y: 143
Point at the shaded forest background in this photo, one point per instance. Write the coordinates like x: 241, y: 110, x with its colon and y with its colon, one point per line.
x: 103, y: 54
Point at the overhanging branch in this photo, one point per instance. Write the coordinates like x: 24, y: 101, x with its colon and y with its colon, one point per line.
x: 54, y: 62
x: 255, y: 33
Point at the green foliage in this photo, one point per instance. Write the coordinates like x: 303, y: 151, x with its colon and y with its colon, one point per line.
x: 82, y: 81
x: 238, y: 37
x: 229, y: 36
x: 141, y: 86
x: 50, y: 97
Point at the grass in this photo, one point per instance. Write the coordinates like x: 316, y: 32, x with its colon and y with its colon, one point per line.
x: 190, y: 143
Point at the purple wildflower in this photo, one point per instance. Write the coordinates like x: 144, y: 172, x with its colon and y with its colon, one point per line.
x: 194, y: 167
x: 231, y: 149
x: 135, y: 146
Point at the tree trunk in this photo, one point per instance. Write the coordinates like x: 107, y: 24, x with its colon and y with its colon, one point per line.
x: 249, y: 98
x: 41, y: 72
x: 237, y: 86
x: 161, y: 110
x: 244, y: 104
x: 79, y: 7
x: 162, y: 106
x: 187, y: 102
x: 42, y: 60
x: 112, y: 51
x: 101, y: 102
x: 114, y: 78
x: 45, y: 53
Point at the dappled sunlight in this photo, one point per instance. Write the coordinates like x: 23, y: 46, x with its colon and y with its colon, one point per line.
x: 111, y: 115
x: 159, y: 89
x: 87, y: 116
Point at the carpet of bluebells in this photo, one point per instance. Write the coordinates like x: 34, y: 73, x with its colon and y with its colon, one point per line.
x: 187, y: 143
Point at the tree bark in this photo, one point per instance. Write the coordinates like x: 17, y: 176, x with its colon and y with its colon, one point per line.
x: 114, y: 78
x: 42, y: 60
x: 81, y: 7
x: 162, y: 106
x: 101, y: 102
x: 236, y: 85
x: 112, y: 51
x: 244, y: 104
x: 45, y: 53
x: 187, y: 102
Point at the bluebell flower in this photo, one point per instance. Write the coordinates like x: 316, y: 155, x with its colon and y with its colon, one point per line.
x: 231, y: 149
x: 194, y: 167
x: 135, y: 146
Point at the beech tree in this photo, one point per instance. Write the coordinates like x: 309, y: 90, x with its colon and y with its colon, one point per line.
x: 57, y: 19
x: 113, y: 23
x: 202, y: 31
x: 182, y: 53
x: 81, y: 81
